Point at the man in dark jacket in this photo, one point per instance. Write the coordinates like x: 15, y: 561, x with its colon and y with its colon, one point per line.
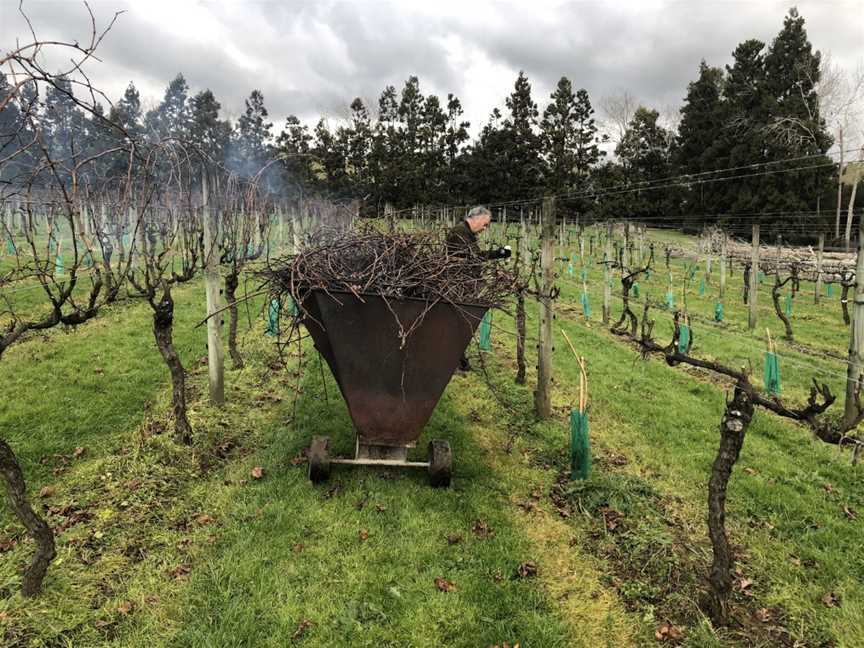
x: 462, y: 241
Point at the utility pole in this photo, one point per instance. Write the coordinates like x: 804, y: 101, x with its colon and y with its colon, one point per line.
x: 754, y: 278
x: 543, y: 394
x: 212, y: 283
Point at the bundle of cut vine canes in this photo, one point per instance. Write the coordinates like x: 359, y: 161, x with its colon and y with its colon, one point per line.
x: 393, y: 265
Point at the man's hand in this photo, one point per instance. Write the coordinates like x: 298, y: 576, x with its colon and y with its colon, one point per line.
x: 505, y: 252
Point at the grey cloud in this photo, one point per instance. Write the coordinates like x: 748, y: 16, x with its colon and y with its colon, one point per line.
x: 312, y: 57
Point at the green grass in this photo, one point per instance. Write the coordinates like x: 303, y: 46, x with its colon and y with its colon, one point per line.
x: 183, y: 547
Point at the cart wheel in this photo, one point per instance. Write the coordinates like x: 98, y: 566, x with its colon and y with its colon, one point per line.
x: 319, y: 459
x: 440, y: 463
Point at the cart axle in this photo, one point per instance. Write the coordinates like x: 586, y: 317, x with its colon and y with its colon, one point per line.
x: 439, y: 465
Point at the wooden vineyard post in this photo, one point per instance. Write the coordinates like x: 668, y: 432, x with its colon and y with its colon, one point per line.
x: 754, y: 279
x: 607, y: 275
x: 524, y: 251
x: 625, y: 253
x: 212, y: 282
x: 543, y: 394
x: 839, y: 186
x: 296, y: 228
x: 855, y: 367
x: 817, y: 296
x: 723, y: 267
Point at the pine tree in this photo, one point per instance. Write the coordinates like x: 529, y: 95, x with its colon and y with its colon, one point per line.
x: 358, y: 143
x: 587, y: 147
x: 330, y: 165
x: 699, y: 140
x: 64, y: 123
x: 745, y: 115
x: 209, y: 136
x: 521, y: 165
x: 252, y: 140
x: 293, y: 148
x: 13, y: 134
x: 795, y: 128
x: 126, y: 113
x: 645, y: 152
x: 171, y: 118
x: 558, y: 131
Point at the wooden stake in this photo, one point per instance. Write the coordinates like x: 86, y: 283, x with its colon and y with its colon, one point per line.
x: 771, y: 347
x: 583, y: 374
x: 855, y: 367
x: 212, y: 283
x: 723, y: 267
x: 754, y: 279
x: 607, y: 275
x: 583, y: 385
x: 817, y: 296
x: 543, y: 394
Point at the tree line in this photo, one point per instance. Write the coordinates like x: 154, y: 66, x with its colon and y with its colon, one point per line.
x: 736, y: 124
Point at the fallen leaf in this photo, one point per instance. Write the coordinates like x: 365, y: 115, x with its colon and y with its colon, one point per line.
x: 831, y: 600
x: 611, y: 518
x: 299, y: 459
x: 667, y: 632
x: 380, y: 509
x: 482, y: 530
x: 850, y: 512
x: 101, y: 623
x: 305, y: 624
x: 528, y: 507
x: 297, y: 548
x: 744, y: 583
x: 125, y: 607
x: 257, y: 472
x: 205, y: 519
x: 526, y: 570
x: 454, y: 538
x: 180, y: 571
x: 763, y: 614
x: 7, y: 544
x: 78, y: 452
x: 47, y: 491
x: 751, y: 471
x: 828, y: 487
x: 364, y: 534
x: 444, y: 585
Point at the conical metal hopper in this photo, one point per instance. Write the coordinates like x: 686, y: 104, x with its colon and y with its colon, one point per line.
x: 390, y: 388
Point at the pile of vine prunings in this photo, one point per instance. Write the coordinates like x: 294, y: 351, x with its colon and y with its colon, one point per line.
x: 393, y: 265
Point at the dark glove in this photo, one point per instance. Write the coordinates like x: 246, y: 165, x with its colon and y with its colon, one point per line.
x: 505, y: 252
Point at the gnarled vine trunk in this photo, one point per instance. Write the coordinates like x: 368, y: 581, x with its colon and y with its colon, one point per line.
x: 36, y: 526
x: 231, y: 283
x: 520, y: 338
x: 733, y: 428
x: 163, y: 324
x: 775, y: 298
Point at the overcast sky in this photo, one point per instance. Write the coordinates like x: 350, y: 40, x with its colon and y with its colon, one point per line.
x: 311, y: 57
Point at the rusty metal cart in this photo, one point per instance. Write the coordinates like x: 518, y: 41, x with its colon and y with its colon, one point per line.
x: 390, y: 387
